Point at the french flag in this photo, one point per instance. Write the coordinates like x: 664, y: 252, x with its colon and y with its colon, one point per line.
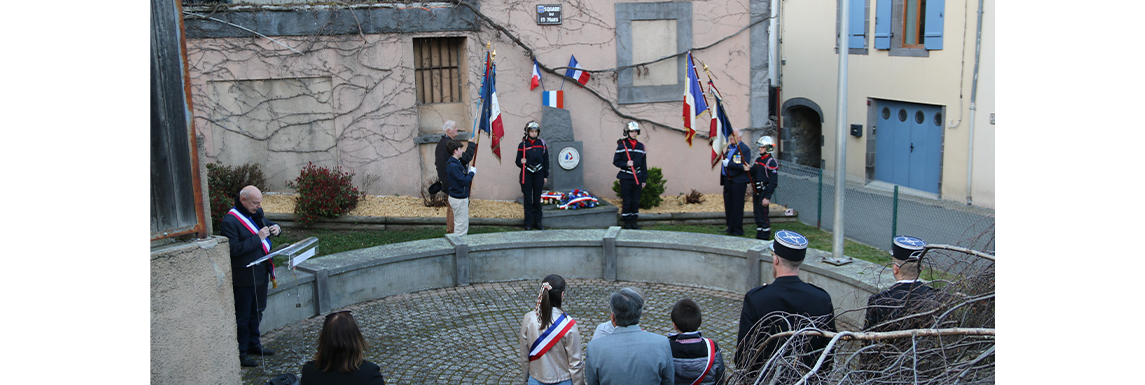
x: 575, y: 72
x: 536, y: 81
x: 555, y: 99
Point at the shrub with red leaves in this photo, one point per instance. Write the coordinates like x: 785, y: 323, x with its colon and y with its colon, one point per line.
x: 323, y: 192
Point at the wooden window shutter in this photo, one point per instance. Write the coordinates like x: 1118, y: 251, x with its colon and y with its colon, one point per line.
x: 883, y: 24
x: 935, y: 13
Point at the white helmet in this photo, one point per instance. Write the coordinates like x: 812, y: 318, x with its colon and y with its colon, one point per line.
x: 532, y: 125
x: 766, y: 143
x: 631, y: 126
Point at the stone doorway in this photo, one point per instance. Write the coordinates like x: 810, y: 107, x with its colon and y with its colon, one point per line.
x: 802, y: 133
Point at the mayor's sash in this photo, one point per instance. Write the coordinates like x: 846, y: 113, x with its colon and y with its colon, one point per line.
x: 250, y: 226
x: 549, y: 338
x: 711, y: 360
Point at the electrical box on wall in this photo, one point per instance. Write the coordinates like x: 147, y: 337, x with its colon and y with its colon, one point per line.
x: 857, y: 130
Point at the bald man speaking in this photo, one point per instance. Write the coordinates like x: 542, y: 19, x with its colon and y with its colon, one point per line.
x: 249, y: 234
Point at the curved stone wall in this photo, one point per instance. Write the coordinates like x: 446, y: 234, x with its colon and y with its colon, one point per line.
x: 711, y: 261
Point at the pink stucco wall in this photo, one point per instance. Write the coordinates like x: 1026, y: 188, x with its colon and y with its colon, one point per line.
x: 375, y: 117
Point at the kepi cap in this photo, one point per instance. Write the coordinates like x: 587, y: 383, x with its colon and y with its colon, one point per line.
x: 790, y: 245
x: 906, y: 248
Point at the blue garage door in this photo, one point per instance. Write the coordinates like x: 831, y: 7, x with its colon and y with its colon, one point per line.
x: 908, y: 145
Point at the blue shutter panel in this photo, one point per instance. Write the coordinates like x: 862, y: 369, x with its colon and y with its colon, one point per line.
x: 858, y: 26
x: 883, y: 24
x: 935, y: 13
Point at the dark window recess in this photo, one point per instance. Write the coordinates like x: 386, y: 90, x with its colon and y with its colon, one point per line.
x: 437, y: 69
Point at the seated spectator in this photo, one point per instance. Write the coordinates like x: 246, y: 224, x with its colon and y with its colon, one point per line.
x: 628, y: 356
x: 697, y: 360
x: 339, y: 359
x: 550, y: 340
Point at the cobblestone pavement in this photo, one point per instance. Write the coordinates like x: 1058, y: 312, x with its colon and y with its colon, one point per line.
x: 468, y: 335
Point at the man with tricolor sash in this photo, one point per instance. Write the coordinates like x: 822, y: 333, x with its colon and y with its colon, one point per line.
x: 248, y: 233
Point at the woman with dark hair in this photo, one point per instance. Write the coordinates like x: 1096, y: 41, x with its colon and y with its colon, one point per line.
x: 550, y: 339
x: 339, y: 359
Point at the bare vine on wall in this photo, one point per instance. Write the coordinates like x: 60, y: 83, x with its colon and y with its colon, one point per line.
x: 369, y: 106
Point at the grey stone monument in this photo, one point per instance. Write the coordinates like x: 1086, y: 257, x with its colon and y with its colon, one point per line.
x: 556, y: 130
x: 566, y: 172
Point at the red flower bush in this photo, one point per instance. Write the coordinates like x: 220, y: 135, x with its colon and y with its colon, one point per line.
x: 323, y: 192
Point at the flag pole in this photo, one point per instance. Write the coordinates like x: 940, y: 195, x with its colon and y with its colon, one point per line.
x: 477, y: 119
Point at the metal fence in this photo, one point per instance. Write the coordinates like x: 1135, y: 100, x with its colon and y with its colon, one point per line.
x: 874, y: 211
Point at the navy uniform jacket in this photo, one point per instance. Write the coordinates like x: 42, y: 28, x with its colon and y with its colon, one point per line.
x: 734, y: 170
x: 246, y: 248
x: 536, y: 153
x: 765, y: 175
x: 902, y: 299
x: 635, y: 149
x: 791, y: 295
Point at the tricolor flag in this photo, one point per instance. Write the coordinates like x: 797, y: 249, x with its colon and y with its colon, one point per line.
x: 721, y: 127
x: 536, y: 81
x: 554, y: 99
x: 575, y: 72
x: 490, y: 121
x: 694, y: 102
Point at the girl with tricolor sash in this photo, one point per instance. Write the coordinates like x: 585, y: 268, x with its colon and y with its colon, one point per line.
x: 550, y: 339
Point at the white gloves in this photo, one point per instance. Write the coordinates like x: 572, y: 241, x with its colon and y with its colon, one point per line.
x: 726, y: 162
x: 473, y: 170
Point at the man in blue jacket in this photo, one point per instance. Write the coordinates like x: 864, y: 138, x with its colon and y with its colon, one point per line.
x: 458, y: 191
x: 248, y: 233
x: 734, y: 177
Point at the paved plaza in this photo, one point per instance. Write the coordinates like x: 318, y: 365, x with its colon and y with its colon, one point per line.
x: 468, y: 335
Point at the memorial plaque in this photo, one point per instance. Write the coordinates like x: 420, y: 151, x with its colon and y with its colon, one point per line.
x: 549, y: 14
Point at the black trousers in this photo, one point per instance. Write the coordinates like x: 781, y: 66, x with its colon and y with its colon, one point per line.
x: 250, y: 301
x: 534, y: 182
x: 762, y: 221
x: 630, y: 199
x: 733, y: 206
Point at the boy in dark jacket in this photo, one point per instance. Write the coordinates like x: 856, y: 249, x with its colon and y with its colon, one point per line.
x: 694, y: 357
x: 458, y: 191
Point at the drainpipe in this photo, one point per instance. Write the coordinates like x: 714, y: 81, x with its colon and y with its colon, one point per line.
x: 841, y: 133
x: 773, y: 71
x: 773, y: 44
x: 973, y: 107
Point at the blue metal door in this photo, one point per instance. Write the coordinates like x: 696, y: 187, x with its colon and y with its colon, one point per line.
x: 908, y: 145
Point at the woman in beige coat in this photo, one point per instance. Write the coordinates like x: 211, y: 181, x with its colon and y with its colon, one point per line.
x: 550, y: 339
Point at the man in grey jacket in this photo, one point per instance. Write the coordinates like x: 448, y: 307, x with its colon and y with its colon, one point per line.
x: 629, y: 355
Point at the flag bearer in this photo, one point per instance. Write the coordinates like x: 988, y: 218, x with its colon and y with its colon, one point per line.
x: 533, y: 159
x: 765, y: 177
x: 633, y: 175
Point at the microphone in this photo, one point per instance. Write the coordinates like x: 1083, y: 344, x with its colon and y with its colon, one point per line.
x: 262, y: 216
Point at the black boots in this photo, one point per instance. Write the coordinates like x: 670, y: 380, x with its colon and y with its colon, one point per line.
x: 630, y: 223
x: 762, y: 234
x: 246, y: 362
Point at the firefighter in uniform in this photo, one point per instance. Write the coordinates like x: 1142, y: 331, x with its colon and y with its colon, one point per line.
x: 630, y: 159
x: 764, y: 178
x: 533, y: 159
